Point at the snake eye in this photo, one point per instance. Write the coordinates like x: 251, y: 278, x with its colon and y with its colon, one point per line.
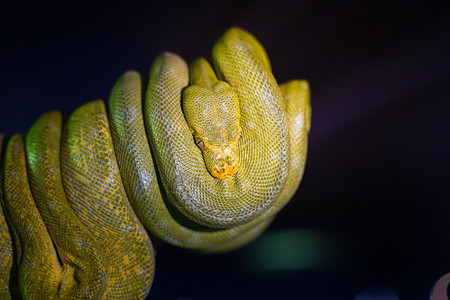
x: 199, y: 142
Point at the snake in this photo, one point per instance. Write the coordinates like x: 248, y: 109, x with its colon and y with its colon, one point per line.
x: 202, y: 157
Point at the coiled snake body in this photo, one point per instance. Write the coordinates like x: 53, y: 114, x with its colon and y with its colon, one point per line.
x: 229, y: 147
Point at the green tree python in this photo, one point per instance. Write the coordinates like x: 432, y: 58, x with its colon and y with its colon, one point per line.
x: 204, y: 162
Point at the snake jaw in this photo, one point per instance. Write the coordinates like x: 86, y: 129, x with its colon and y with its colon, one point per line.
x: 222, y: 173
x: 221, y: 161
x: 227, y: 164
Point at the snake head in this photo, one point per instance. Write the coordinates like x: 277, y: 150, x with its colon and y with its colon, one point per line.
x: 211, y: 109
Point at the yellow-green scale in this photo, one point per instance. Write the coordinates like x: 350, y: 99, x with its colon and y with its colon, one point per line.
x: 77, y: 215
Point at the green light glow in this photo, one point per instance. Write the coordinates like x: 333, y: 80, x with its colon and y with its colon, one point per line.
x: 290, y: 250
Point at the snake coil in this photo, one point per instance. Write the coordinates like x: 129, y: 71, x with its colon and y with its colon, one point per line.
x: 204, y: 162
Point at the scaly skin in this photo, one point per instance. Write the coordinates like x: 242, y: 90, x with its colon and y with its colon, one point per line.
x: 211, y: 109
x: 6, y: 250
x: 205, y: 164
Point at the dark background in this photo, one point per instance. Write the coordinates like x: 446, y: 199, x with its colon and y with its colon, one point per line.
x: 372, y: 213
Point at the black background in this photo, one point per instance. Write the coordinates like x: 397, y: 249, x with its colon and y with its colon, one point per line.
x: 376, y: 186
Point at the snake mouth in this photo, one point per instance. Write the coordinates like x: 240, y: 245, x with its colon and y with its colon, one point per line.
x: 223, y: 170
x: 221, y: 162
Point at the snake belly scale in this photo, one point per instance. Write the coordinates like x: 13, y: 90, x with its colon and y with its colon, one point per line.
x: 204, y: 162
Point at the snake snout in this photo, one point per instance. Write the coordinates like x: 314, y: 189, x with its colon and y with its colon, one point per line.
x: 224, y: 169
x: 223, y: 163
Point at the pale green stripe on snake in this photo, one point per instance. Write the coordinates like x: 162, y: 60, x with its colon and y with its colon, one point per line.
x: 204, y: 162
